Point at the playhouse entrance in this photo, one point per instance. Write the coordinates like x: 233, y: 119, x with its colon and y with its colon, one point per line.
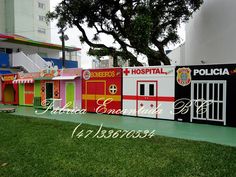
x: 49, y: 91
x: 70, y: 94
x: 146, y: 103
x: 9, y: 93
x: 29, y: 93
x: 95, y: 91
x: 208, y: 100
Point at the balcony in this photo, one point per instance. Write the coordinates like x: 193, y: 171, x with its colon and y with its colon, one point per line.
x: 4, y: 60
x: 58, y: 62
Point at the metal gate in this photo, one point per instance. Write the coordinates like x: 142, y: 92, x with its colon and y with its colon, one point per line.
x: 208, y: 99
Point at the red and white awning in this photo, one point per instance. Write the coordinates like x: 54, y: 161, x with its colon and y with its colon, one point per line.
x: 23, y: 81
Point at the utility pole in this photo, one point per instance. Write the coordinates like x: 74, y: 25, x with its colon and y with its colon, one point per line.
x: 115, y: 61
x: 63, y: 38
x: 63, y: 47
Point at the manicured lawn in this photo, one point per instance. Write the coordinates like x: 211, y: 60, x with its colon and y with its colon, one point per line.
x: 31, y: 147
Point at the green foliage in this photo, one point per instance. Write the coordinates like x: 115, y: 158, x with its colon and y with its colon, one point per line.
x: 134, y: 24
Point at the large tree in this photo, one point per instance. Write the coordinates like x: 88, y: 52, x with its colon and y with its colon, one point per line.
x: 138, y: 27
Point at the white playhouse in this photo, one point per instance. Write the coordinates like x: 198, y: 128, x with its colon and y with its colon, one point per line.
x: 149, y: 92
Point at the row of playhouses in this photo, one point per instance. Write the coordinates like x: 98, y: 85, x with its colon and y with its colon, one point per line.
x: 203, y: 93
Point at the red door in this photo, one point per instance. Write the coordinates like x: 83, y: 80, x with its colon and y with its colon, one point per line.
x: 29, y: 94
x: 94, y: 92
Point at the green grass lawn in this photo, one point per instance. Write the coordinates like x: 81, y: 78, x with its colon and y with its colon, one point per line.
x: 31, y: 147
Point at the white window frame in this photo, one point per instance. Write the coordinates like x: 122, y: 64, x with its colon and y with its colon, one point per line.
x: 193, y: 101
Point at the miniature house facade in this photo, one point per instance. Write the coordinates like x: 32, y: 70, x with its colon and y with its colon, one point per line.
x: 70, y: 88
x: 206, y: 94
x: 149, y: 92
x: 10, y: 93
x: 102, y: 90
x: 47, y: 89
x: 25, y: 83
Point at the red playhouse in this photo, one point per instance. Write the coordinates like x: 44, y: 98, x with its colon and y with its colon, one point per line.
x: 102, y: 90
x: 10, y: 94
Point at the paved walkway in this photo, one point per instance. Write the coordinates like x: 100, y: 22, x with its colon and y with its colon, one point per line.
x: 201, y: 132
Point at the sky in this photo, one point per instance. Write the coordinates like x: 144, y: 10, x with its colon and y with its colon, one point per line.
x: 73, y: 34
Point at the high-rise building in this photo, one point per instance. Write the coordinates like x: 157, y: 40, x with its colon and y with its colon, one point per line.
x: 210, y: 35
x: 25, y: 18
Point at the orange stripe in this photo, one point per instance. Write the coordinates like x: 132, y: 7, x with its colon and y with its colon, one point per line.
x: 96, y: 97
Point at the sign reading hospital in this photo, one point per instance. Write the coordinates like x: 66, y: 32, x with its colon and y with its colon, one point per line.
x: 147, y: 71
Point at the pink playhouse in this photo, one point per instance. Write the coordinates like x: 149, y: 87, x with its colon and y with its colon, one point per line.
x: 70, y: 88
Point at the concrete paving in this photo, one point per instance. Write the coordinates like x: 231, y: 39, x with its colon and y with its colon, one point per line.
x: 201, y: 132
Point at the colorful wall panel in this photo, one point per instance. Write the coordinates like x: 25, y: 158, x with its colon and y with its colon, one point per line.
x: 10, y: 92
x: 49, y: 90
x: 21, y: 94
x: 70, y: 93
x: 101, y: 90
x: 0, y: 91
x: 149, y: 92
x: 70, y: 88
x: 37, y: 88
x: 26, y: 94
x: 206, y: 94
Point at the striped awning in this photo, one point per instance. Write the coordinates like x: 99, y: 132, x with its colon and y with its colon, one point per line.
x: 23, y: 81
x: 64, y: 77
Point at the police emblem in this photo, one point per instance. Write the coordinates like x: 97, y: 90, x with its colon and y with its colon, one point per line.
x: 184, y: 76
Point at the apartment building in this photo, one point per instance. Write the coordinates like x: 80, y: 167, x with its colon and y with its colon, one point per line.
x: 25, y: 18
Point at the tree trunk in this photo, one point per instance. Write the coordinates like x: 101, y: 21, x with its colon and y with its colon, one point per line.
x: 165, y: 60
